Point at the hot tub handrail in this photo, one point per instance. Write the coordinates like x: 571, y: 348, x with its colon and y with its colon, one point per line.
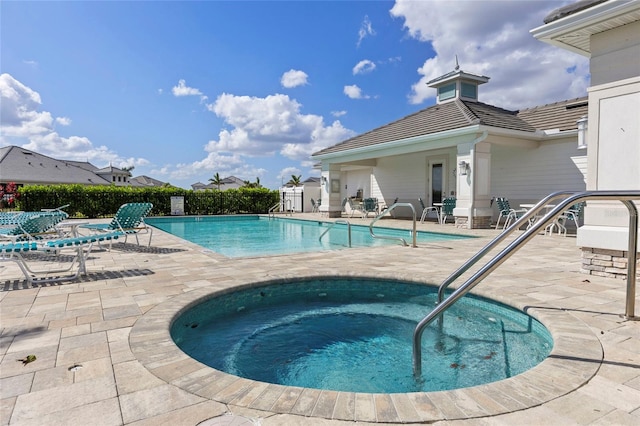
x: 498, y: 239
x: 625, y: 197
x: 387, y: 210
x: 331, y: 225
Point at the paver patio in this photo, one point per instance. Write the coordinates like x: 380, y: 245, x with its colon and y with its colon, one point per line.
x: 103, y: 357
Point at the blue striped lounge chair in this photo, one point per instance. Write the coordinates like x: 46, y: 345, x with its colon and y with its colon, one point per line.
x: 129, y: 219
x: 32, y: 226
x: 25, y: 252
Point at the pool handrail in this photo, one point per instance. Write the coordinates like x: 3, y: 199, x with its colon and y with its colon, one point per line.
x: 280, y: 204
x: 625, y: 197
x: 387, y: 210
x: 332, y: 224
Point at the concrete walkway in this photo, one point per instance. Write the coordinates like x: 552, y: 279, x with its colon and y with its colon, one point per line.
x: 104, y: 356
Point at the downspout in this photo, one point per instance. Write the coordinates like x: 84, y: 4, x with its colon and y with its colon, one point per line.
x: 476, y: 141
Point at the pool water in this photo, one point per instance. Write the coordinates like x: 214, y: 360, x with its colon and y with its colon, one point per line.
x: 355, y: 335
x: 252, y: 235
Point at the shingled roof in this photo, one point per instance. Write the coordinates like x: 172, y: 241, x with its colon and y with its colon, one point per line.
x: 452, y: 115
x: 21, y: 165
x: 560, y: 115
x: 459, y: 114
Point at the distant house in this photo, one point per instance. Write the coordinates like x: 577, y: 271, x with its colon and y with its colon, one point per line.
x: 230, y: 182
x: 26, y: 167
x: 298, y: 198
x: 461, y: 148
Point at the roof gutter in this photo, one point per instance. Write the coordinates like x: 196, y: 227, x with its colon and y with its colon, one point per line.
x: 475, y: 142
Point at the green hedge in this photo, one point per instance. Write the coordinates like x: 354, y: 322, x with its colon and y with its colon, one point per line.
x: 103, y: 201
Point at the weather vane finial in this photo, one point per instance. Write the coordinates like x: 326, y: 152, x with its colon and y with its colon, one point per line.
x: 457, y: 65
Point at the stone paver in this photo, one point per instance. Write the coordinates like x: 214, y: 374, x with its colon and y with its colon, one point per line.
x: 104, y: 353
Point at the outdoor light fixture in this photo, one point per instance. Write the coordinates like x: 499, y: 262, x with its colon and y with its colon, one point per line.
x: 582, y: 132
x: 324, y: 180
x: 464, y: 167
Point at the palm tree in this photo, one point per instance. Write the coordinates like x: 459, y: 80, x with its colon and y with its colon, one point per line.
x: 295, y: 180
x: 216, y: 180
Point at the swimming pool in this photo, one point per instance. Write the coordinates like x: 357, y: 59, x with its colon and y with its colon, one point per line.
x: 253, y: 235
x: 355, y: 334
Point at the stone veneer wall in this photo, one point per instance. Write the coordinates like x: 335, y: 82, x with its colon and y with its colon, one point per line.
x: 479, y: 222
x: 606, y: 263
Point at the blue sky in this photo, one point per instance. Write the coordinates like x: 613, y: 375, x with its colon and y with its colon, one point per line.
x: 184, y: 90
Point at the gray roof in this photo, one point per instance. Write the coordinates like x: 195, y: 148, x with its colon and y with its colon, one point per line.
x: 560, y: 115
x: 570, y: 9
x: 23, y: 166
x: 459, y: 114
x: 456, y: 114
x: 145, y: 181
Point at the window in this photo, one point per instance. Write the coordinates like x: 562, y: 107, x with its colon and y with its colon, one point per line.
x: 113, y: 178
x: 447, y: 92
x: 469, y: 90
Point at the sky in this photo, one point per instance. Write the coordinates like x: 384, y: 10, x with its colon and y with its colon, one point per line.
x: 184, y: 90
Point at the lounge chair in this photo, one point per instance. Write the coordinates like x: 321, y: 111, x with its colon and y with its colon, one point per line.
x: 426, y: 210
x: 315, y: 207
x: 448, y: 204
x: 507, y: 212
x: 384, y: 207
x: 81, y: 246
x: 573, y: 214
x: 355, y: 207
x: 129, y: 219
x: 369, y: 205
x: 32, y: 226
x: 345, y: 200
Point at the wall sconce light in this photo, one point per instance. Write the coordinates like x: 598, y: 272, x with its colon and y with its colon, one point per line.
x: 464, y: 167
x: 324, y: 180
x: 582, y: 132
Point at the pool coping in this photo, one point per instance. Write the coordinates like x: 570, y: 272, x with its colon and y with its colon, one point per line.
x: 575, y: 358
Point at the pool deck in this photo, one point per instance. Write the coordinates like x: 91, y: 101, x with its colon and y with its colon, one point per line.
x: 104, y: 356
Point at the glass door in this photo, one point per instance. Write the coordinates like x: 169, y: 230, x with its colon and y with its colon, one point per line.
x: 436, y: 180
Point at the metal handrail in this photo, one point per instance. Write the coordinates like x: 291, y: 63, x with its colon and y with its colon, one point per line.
x: 387, y: 210
x: 274, y: 207
x: 625, y: 197
x: 343, y: 221
x: 530, y: 214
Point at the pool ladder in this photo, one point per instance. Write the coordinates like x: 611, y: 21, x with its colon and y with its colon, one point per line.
x: 570, y: 198
x: 286, y: 210
x: 387, y: 237
x: 331, y: 225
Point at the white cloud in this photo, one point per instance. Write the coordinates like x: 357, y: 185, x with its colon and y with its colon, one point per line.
x: 492, y: 38
x: 23, y: 125
x: 363, y: 67
x: 286, y: 173
x: 265, y: 126
x: 366, y: 29
x: 354, y: 92
x: 338, y: 113
x: 63, y: 121
x: 183, y: 90
x: 293, y: 78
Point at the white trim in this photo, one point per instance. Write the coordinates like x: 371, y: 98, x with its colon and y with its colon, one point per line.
x: 583, y: 24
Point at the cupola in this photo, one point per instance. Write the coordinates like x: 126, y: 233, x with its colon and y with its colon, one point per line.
x: 457, y: 84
